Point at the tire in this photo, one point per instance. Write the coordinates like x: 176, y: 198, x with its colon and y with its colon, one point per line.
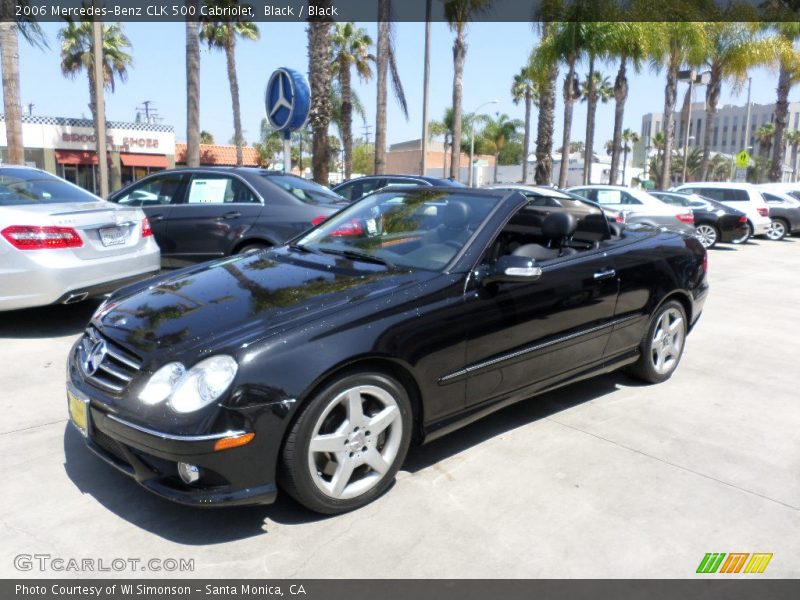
x: 357, y: 455
x: 708, y: 235
x: 778, y: 230
x: 253, y: 247
x: 746, y: 237
x: 658, y: 359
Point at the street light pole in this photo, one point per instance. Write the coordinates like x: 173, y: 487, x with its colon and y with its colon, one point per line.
x: 471, y: 179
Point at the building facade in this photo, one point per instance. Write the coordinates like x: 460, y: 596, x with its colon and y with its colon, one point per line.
x: 405, y: 158
x: 66, y: 147
x: 728, y: 128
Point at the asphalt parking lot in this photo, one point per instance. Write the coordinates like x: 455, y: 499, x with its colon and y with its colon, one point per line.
x: 606, y: 478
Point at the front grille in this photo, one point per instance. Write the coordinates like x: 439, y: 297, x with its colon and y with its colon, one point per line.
x: 105, y: 364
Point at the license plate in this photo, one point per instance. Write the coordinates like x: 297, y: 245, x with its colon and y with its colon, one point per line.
x: 113, y: 236
x: 79, y: 412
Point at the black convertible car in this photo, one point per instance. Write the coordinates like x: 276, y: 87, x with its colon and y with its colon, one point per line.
x: 312, y: 367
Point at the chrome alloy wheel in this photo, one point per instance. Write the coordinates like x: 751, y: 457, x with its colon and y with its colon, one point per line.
x: 667, y: 341
x: 355, y: 441
x: 777, y: 230
x: 707, y: 235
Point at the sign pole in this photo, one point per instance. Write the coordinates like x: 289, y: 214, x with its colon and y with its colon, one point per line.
x: 287, y: 152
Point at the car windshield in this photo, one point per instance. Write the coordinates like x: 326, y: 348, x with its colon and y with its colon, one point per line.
x: 303, y: 189
x: 19, y: 187
x: 411, y: 228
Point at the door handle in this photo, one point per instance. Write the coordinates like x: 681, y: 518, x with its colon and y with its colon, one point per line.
x: 608, y: 273
x: 154, y: 218
x: 232, y: 215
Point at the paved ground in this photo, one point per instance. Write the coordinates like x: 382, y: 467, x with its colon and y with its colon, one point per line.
x: 602, y: 479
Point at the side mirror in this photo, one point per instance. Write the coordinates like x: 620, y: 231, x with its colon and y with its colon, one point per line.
x: 512, y: 269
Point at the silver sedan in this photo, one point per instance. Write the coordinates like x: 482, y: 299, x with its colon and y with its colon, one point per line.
x: 61, y: 244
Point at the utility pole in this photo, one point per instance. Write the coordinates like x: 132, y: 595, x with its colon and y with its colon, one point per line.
x: 747, y: 118
x: 30, y: 108
x: 688, y: 128
x: 99, y: 88
x: 426, y: 77
x: 366, y: 129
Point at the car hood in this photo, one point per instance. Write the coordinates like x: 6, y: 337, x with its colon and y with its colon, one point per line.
x: 231, y: 301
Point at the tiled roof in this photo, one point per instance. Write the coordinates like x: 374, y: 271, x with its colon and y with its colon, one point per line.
x: 216, y: 154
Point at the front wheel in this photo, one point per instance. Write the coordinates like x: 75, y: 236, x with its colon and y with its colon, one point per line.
x: 777, y: 230
x: 348, y: 443
x: 662, y: 346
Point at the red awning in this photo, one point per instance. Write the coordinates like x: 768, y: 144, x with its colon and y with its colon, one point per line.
x: 76, y: 157
x: 158, y: 161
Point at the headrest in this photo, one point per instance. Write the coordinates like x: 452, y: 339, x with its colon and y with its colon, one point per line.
x: 559, y: 225
x: 456, y: 215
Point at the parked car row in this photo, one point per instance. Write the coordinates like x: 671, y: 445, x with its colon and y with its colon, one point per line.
x: 198, y: 214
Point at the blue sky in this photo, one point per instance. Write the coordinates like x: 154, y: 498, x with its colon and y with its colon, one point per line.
x: 496, y: 51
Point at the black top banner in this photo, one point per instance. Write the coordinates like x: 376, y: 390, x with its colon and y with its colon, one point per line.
x: 400, y: 10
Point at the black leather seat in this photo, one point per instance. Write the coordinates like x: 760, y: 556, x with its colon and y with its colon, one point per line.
x: 454, y: 224
x: 557, y: 228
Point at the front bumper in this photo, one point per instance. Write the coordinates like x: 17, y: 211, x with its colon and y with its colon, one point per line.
x: 230, y: 477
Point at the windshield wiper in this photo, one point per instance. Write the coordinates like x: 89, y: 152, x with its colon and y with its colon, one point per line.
x: 356, y: 255
x: 303, y: 248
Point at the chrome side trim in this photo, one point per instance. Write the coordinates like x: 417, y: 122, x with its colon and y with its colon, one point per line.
x: 173, y: 437
x: 535, y: 348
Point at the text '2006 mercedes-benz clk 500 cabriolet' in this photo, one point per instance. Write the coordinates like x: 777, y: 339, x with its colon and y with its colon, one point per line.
x: 311, y: 367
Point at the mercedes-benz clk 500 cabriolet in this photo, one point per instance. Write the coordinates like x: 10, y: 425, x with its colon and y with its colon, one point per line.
x: 311, y: 367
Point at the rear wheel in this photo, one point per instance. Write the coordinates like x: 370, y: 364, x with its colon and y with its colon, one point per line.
x: 778, y: 229
x: 662, y: 346
x: 348, y: 443
x: 746, y: 236
x: 708, y: 235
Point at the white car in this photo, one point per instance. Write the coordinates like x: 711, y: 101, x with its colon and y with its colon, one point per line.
x: 742, y: 196
x: 61, y: 244
x: 644, y: 207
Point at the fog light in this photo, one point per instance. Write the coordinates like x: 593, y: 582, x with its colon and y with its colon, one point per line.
x: 189, y: 473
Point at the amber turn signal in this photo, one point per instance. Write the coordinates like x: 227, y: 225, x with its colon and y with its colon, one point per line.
x: 233, y: 441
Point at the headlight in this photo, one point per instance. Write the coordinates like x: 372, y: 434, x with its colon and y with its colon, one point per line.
x: 203, y: 383
x: 161, y: 383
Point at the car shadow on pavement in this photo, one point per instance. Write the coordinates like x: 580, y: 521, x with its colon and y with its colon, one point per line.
x: 181, y: 524
x: 512, y: 417
x: 198, y: 526
x: 47, y: 321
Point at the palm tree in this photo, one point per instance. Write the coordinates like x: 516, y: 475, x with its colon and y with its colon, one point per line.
x: 674, y: 43
x: 443, y: 128
x: 793, y: 138
x: 595, y: 88
x: 630, y: 43
x: 458, y: 13
x: 193, y: 86
x: 789, y: 59
x: 566, y: 43
x: 222, y: 35
x: 320, y: 53
x: 544, y: 71
x: 77, y: 56
x: 205, y: 137
x: 351, y: 48
x: 524, y: 89
x: 731, y: 49
x: 337, y: 109
x: 386, y: 64
x: 9, y: 50
x: 764, y: 137
x: 629, y: 138
x: 719, y: 168
x: 496, y: 134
